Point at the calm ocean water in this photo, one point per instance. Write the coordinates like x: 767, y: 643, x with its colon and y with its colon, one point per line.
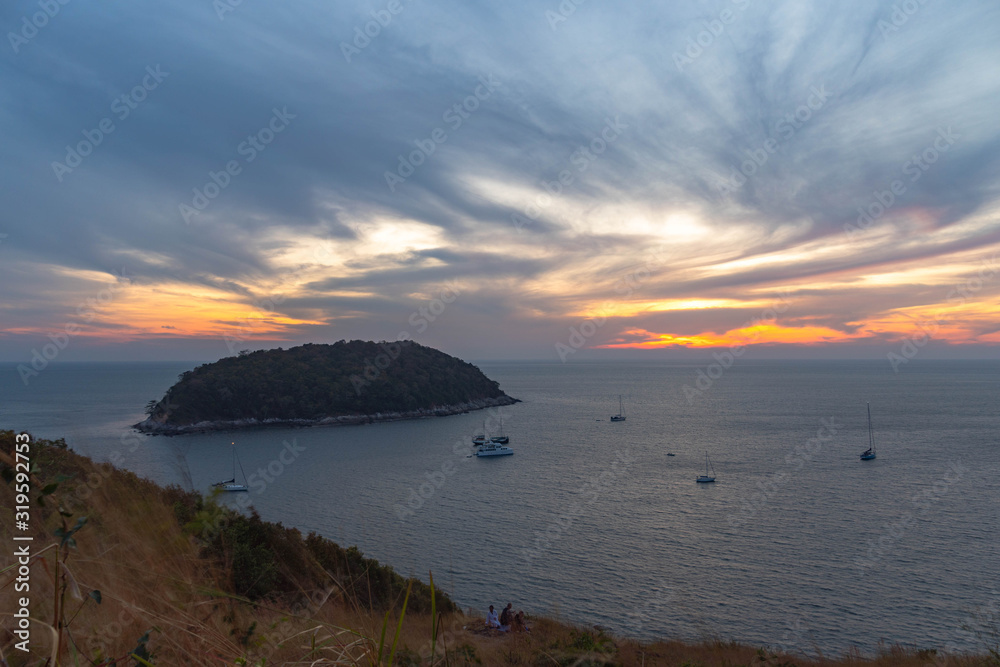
x: 798, y: 544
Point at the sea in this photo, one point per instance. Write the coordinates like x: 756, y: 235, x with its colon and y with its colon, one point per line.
x: 798, y: 545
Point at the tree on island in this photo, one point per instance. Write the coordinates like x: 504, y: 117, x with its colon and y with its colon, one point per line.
x: 313, y: 382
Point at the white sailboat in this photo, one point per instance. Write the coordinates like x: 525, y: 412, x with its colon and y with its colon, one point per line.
x: 620, y: 417
x: 702, y: 479
x: 230, y: 484
x: 491, y: 447
x: 869, y: 453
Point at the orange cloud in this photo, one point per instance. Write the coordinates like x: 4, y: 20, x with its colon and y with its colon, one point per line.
x: 955, y: 324
x: 138, y: 311
x: 760, y: 334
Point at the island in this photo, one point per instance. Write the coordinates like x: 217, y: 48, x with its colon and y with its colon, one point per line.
x: 348, y: 382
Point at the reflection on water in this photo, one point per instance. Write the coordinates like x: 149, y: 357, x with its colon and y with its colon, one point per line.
x: 798, y: 543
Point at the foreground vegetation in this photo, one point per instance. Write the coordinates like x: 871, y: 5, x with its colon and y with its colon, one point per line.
x: 315, y: 382
x: 125, y: 572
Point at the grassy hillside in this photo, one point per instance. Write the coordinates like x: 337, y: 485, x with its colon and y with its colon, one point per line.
x: 125, y: 572
x: 206, y: 583
x: 313, y: 382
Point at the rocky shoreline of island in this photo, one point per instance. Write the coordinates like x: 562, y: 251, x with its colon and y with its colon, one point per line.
x: 152, y: 426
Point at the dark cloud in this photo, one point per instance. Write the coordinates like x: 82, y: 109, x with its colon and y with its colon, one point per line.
x: 888, y: 88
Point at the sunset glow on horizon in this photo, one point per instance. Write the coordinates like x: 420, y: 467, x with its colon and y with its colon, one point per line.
x: 507, y: 186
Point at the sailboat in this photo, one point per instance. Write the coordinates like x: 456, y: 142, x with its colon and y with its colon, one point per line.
x: 492, y: 448
x: 620, y: 417
x: 480, y: 439
x: 503, y: 438
x: 706, y: 477
x: 869, y: 453
x: 230, y: 484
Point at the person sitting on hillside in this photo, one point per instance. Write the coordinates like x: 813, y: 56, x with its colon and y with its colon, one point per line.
x: 506, y: 617
x: 491, y: 619
x: 519, y: 625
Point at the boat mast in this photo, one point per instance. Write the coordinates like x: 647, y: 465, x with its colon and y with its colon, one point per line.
x: 871, y: 438
x: 236, y: 459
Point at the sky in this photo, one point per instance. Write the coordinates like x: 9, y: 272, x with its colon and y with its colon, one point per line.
x: 183, y: 180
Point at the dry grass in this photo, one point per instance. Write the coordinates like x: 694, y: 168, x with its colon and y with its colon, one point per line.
x: 154, y: 577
